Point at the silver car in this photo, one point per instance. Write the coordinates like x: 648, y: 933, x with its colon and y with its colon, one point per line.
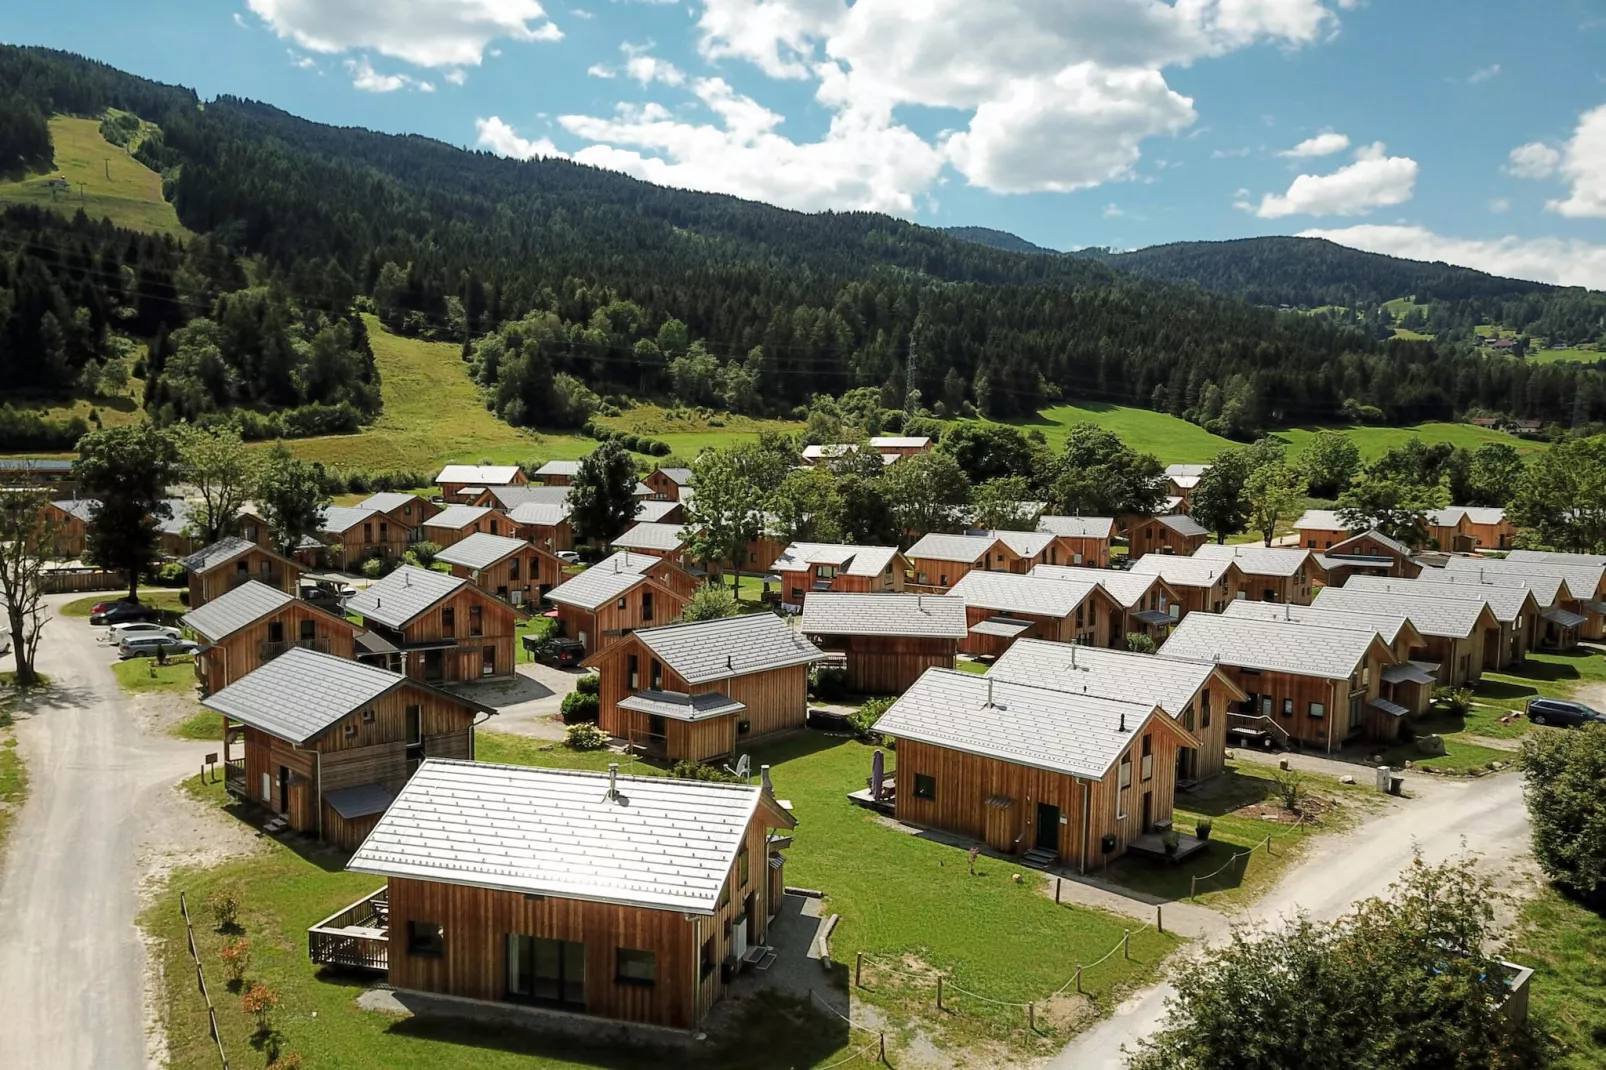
x: 118, y: 632
x: 146, y: 646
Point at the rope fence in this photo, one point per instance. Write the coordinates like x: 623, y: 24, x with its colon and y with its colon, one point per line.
x: 200, y: 980
x: 1194, y: 881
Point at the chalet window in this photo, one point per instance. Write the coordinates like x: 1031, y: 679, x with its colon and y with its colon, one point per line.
x: 1317, y: 710
x: 368, y: 716
x: 488, y: 661
x: 415, y: 726
x: 1125, y: 780
x: 1265, y: 705
x: 1310, y: 544
x: 708, y: 957
x: 276, y: 631
x: 742, y: 867
x: 925, y: 787
x: 448, y: 622
x: 633, y: 966
x: 367, y: 533
x: 309, y: 630
x: 1288, y: 707
x: 1080, y: 615
x: 476, y: 620
x: 493, y: 527
x: 725, y: 900
x: 243, y: 568
x: 407, y: 510
x: 633, y: 667
x: 623, y: 602
x: 546, y: 971
x: 1204, y: 709
x: 351, y: 731
x: 425, y: 938
x: 513, y: 569
x: 657, y: 683
x: 1148, y: 757
x: 1187, y: 717
x: 646, y: 605
x: 942, y: 580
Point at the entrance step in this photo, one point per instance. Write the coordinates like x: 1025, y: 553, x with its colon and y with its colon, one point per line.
x: 1039, y: 858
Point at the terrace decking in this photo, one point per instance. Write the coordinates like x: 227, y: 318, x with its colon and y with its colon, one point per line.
x: 356, y: 938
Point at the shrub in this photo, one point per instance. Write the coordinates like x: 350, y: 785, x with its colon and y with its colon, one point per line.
x: 1202, y: 828
x: 711, y: 601
x: 829, y: 682
x: 425, y: 551
x: 1456, y: 701
x: 686, y: 769
x: 1563, y: 772
x: 225, y: 906
x: 1139, y: 643
x: 374, y: 567
x: 173, y: 574
x: 863, y: 720
x: 579, y: 707
x: 259, y: 1001
x: 236, y: 956
x: 589, y: 684
x: 585, y: 737
x: 1289, y: 787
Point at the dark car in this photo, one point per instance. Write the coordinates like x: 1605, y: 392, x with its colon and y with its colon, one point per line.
x: 559, y: 653
x: 101, y: 607
x: 1562, y: 714
x: 123, y: 613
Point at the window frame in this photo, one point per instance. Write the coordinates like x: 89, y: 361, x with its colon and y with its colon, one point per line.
x: 925, y: 787
x: 1316, y: 711
x: 635, y: 956
x: 426, y: 945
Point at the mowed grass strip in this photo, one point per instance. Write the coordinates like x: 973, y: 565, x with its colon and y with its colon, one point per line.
x: 131, y: 197
x: 1565, y: 943
x: 13, y: 784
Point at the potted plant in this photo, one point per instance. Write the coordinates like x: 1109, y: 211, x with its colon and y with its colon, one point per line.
x: 1202, y: 829
x: 1168, y: 839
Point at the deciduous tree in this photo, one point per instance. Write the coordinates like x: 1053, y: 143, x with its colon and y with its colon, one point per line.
x: 291, y: 495
x: 603, y: 498
x: 1397, y: 509
x: 1218, y: 500
x: 127, y: 470
x: 1560, y: 499
x: 710, y: 601
x: 223, y: 470
x: 1563, y: 773
x: 1275, y: 492
x: 926, y: 492
x: 26, y: 536
x: 1329, y: 462
x: 1004, y: 504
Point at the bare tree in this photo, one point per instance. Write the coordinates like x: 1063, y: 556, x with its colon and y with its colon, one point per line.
x: 26, y: 538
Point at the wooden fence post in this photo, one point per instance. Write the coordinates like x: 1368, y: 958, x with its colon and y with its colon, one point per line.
x: 883, y: 1055
x: 1079, y: 980
x: 858, y: 969
x: 1159, y: 918
x: 1126, y: 944
x: 939, y: 991
x: 1268, y: 846
x: 1056, y: 891
x: 1031, y: 1017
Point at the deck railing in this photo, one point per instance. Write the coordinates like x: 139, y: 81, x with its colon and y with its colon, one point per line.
x: 234, y: 777
x: 269, y: 651
x: 1258, y: 723
x: 356, y: 937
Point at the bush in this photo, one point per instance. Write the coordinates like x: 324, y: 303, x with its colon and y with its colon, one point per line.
x: 585, y: 737
x: 863, y: 720
x: 828, y: 682
x: 425, y: 552
x: 259, y: 1001
x: 589, y: 684
x: 1563, y: 772
x: 1139, y: 643
x: 236, y: 956
x: 686, y: 769
x: 711, y: 601
x: 225, y: 906
x: 173, y: 574
x: 1202, y: 827
x: 374, y: 568
x: 1455, y: 701
x: 579, y: 708
x: 1289, y: 788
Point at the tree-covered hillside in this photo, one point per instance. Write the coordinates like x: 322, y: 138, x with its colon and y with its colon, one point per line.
x: 998, y: 239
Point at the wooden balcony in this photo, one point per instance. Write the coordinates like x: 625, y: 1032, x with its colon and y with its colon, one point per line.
x: 272, y: 579
x: 269, y: 651
x: 356, y: 938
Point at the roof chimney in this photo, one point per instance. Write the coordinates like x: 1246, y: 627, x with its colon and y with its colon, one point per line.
x: 1123, y: 721
x: 764, y: 781
x: 989, y: 692
x: 613, y: 781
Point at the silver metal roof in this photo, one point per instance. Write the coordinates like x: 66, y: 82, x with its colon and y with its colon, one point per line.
x: 653, y: 537
x: 734, y: 646
x: 1583, y: 578
x: 1386, y: 623
x: 1078, y: 527
x: 1002, y: 627
x: 1182, y: 571
x: 386, y: 500
x: 1257, y: 560
x: 662, y: 843
x: 1556, y: 557
x: 679, y: 706
x: 541, y: 514
x: 1472, y: 514
x: 1408, y: 672
x: 1547, y: 590
x: 1321, y: 520
x: 219, y: 553
x: 1011, y: 592
x: 1031, y: 726
x: 1508, y: 603
x: 239, y: 608
x: 457, y: 517
x: 913, y: 615
x: 559, y: 468
x: 1182, y: 524
x: 1565, y: 618
x: 178, y: 517
x: 1271, y: 645
x: 301, y: 694
x: 480, y: 550
x: 1376, y: 536
x: 604, y: 581
x: 403, y: 595
x: 653, y: 512
x: 486, y: 475
x: 1127, y: 588
x: 339, y: 519
x: 681, y: 477
x: 1393, y: 709
x: 850, y: 559
x: 515, y: 496
x: 1113, y: 674
x: 969, y: 549
x: 362, y: 801
x: 1454, y: 618
x: 80, y: 508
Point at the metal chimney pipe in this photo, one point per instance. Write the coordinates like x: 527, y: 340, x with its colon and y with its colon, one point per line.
x: 613, y: 781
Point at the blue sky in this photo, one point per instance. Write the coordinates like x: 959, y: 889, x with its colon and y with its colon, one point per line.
x: 1466, y: 132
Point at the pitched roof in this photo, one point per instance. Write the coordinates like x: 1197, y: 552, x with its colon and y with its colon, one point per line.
x: 1321, y: 520
x: 1127, y: 588
x: 485, y: 475
x: 515, y: 496
x: 81, y: 508
x: 1182, y: 524
x: 1556, y: 557
x: 852, y: 560
x: 457, y: 517
x: 219, y: 553
x: 1583, y: 579
x: 301, y: 694
x: 1186, y: 469
x: 1270, y: 645
x: 679, y: 706
x: 35, y: 464
x: 1387, y: 625
x: 681, y: 477
x: 178, y: 516
x: 1508, y: 603
x: 666, y: 844
x: 339, y: 519
x: 1257, y: 560
x: 604, y: 581
x: 386, y: 500
x: 1024, y: 543
x: 1451, y: 617
x: 1114, y: 674
x: 653, y: 512
x: 937, y: 546
x: 1078, y: 527
x: 1182, y: 571
x: 1547, y: 590
x: 559, y: 468
x: 540, y: 514
x: 1031, y: 726
x: 893, y: 442
x: 1472, y: 514
x: 733, y: 646
x: 647, y: 536
x: 236, y: 609
x: 842, y: 613
x: 1010, y: 592
x: 1388, y: 542
x: 480, y: 550
x: 403, y: 595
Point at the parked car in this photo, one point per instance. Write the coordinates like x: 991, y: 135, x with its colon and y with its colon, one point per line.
x: 325, y: 596
x: 568, y: 557
x: 123, y: 613
x: 1562, y: 714
x: 118, y: 632
x: 101, y: 607
x: 147, y: 646
x: 559, y: 653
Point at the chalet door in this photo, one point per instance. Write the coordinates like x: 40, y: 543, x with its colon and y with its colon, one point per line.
x: 284, y: 789
x: 1048, y: 827
x: 546, y: 971
x: 739, y: 937
x: 434, y: 665
x: 1148, y: 811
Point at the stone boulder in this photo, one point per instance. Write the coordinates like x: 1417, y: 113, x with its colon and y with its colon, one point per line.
x: 1431, y: 745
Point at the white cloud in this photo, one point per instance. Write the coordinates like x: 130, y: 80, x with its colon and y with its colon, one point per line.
x: 306, y: 63
x: 364, y: 77
x: 1583, y: 165
x: 1500, y: 206
x: 1229, y: 154
x: 456, y: 77
x: 646, y: 68
x: 1324, y: 144
x: 1374, y: 180
x: 581, y: 13
x: 428, y: 33
x: 1566, y: 262
x: 503, y: 140
x: 1534, y: 160
x: 598, y: 70
x: 239, y: 20
x: 1483, y: 74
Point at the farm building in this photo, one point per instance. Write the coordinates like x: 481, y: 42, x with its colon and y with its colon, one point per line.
x: 886, y: 640
x: 698, y: 691
x: 226, y: 564
x: 806, y: 567
x: 1051, y: 775
x: 329, y: 742
x: 617, y: 595
x: 940, y: 561
x: 463, y: 482
x: 1150, y: 606
x: 511, y: 569
x: 251, y: 625
x: 442, y: 628
x: 1001, y: 607
x: 1169, y: 533
x: 1078, y: 540
x: 1270, y: 574
x: 620, y: 897
x: 1201, y: 584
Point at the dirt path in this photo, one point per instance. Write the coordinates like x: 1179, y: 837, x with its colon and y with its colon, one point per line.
x: 1484, y: 817
x: 72, y: 965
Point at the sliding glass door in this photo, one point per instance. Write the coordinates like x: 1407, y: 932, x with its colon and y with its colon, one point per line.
x: 546, y: 971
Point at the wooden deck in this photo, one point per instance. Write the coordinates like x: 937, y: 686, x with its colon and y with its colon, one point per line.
x: 355, y: 938
x: 1150, y: 845
x: 887, y: 804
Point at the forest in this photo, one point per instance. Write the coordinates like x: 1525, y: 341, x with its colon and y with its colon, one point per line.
x: 608, y: 284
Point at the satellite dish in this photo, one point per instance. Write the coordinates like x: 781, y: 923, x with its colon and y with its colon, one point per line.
x: 744, y: 766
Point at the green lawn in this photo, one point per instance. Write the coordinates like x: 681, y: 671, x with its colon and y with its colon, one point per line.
x: 687, y: 433
x: 1375, y: 441
x: 140, y: 675
x: 965, y: 665
x: 166, y: 601
x: 1557, y: 356
x: 1171, y: 439
x: 13, y: 783
x: 1547, y: 675
x: 1565, y: 943
x: 131, y: 197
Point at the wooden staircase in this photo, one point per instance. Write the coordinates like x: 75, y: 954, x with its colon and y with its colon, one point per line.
x: 1039, y: 858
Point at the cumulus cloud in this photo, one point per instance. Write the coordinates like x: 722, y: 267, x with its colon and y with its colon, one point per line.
x: 1374, y: 180
x: 365, y: 78
x: 427, y: 33
x: 502, y: 139
x: 1499, y: 205
x: 1583, y: 166
x: 1566, y: 262
x: 1534, y: 160
x: 1483, y: 74
x: 1324, y: 144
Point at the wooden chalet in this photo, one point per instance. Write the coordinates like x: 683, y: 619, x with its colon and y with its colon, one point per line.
x: 1320, y: 529
x: 1078, y: 540
x: 635, y: 899
x: 511, y: 569
x: 886, y: 641
x: 1052, y: 775
x: 807, y: 567
x: 1169, y: 533
x: 1585, y: 576
x: 940, y: 561
x: 557, y: 473
x: 1465, y: 529
x: 653, y: 511
x: 461, y: 483
x: 699, y: 691
x: 1001, y: 607
x: 1270, y: 574
x: 52, y: 473
x: 328, y: 742
x: 669, y: 484
x: 408, y: 510
x: 1559, y: 621
x: 1150, y: 606
x: 543, y: 524
x: 246, y: 628
x: 1197, y: 696
x: 1371, y: 553
x: 619, y: 594
x: 1201, y: 585
x: 457, y: 522
x: 176, y: 532
x: 507, y: 499
x: 352, y: 535
x: 1459, y: 633
x: 1515, y: 608
x: 226, y: 564
x: 667, y: 541
x: 1182, y: 479
x: 69, y: 521
x: 441, y: 628
x: 1321, y: 686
